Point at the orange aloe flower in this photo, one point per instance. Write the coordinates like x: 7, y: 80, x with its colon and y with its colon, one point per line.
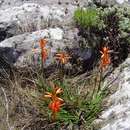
x: 105, y: 57
x: 55, y: 92
x: 62, y: 57
x: 56, y: 102
x: 43, y: 43
x: 44, y: 54
x: 55, y: 106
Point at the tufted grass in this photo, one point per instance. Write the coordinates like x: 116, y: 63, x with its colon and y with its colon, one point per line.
x: 87, y: 17
x: 83, y: 101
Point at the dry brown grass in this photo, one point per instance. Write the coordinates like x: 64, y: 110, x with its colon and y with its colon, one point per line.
x: 16, y: 102
x: 22, y: 108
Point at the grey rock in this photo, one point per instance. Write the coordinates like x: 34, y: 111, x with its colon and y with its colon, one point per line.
x: 109, y: 2
x: 84, y: 58
x: 121, y: 1
x: 7, y: 30
x: 117, y: 115
x: 24, y: 44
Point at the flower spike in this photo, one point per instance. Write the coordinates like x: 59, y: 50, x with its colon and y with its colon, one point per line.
x: 62, y: 57
x: 105, y: 57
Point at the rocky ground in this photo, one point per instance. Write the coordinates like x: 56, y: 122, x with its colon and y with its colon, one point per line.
x: 116, y: 115
x: 24, y: 22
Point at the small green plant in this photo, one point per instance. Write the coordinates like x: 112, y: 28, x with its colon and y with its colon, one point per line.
x: 87, y: 17
x: 77, y: 107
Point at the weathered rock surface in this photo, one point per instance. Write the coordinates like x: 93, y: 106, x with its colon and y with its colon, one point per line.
x: 24, y: 43
x: 7, y: 3
x: 110, y: 2
x: 28, y: 23
x: 32, y: 21
x: 117, y: 115
x: 50, y: 19
x: 29, y: 17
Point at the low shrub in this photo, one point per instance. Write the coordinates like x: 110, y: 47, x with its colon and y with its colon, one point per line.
x: 88, y: 18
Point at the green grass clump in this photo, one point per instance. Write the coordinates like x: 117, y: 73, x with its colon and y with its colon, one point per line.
x: 80, y: 108
x: 87, y: 17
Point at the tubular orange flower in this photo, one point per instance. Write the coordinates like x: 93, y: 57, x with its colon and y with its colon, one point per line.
x: 105, y: 58
x: 44, y: 54
x: 62, y: 57
x: 43, y: 43
x: 55, y: 106
x: 53, y: 97
x: 55, y: 92
x: 56, y: 102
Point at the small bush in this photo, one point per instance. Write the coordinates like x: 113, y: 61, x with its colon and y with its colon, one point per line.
x: 87, y: 17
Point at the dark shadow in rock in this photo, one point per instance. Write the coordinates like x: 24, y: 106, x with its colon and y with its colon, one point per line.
x: 7, y: 31
x: 3, y: 34
x: 8, y: 56
x: 82, y: 59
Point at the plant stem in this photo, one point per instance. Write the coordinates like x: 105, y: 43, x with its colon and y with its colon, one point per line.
x: 53, y: 116
x: 95, y: 85
x: 42, y: 65
x: 61, y: 72
x: 100, y: 80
